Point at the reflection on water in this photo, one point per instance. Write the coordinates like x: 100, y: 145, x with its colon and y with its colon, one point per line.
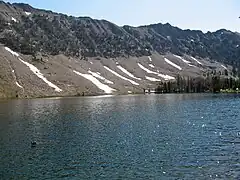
x: 121, y: 137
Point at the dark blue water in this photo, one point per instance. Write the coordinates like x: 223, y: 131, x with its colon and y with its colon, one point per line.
x: 122, y: 137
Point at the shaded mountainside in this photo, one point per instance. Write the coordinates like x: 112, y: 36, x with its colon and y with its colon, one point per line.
x: 43, y: 53
x: 52, y: 33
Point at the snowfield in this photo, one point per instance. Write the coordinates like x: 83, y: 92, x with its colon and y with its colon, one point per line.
x: 27, y: 13
x: 11, y: 51
x: 224, y: 67
x: 166, y: 77
x: 104, y: 87
x: 150, y: 59
x: 151, y: 65
x: 172, y: 64
x: 35, y: 70
x: 179, y: 57
x: 19, y: 85
x: 128, y: 73
x: 152, y: 79
x: 196, y: 60
x: 98, y: 75
x: 13, y: 19
x: 120, y: 76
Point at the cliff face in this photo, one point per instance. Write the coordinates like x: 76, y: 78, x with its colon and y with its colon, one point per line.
x: 70, y: 51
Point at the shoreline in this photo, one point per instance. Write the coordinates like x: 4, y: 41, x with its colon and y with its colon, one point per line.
x: 111, y: 95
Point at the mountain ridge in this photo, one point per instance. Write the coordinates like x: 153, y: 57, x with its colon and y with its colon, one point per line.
x: 90, y: 35
x: 43, y: 51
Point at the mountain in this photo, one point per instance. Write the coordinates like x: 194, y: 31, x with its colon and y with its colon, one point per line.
x: 42, y: 50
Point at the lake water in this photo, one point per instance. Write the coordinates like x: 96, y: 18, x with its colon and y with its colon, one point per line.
x: 191, y: 136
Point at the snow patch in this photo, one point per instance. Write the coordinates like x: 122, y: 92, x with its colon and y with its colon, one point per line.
x: 192, y: 65
x: 124, y: 78
x: 172, y: 64
x: 152, y: 79
x: 224, y: 67
x: 166, y: 77
x: 129, y: 92
x: 37, y: 72
x: 150, y: 59
x: 96, y: 75
x: 13, y: 19
x: 11, y: 51
x: 19, y: 85
x: 34, y: 70
x: 151, y: 65
x: 179, y: 57
x: 185, y: 61
x: 147, y: 70
x: 196, y: 60
x: 104, y: 87
x: 127, y: 72
x: 91, y: 62
x: 27, y: 13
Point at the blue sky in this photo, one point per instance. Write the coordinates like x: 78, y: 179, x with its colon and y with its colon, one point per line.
x: 205, y: 15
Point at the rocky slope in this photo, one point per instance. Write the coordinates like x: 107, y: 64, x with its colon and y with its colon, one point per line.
x: 43, y: 53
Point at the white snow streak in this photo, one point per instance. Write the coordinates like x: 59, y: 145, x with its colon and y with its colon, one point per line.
x: 150, y: 59
x: 129, y: 92
x: 35, y: 70
x: 192, y: 65
x: 11, y: 51
x: 19, y: 85
x: 185, y: 61
x: 147, y: 70
x: 172, y: 64
x: 224, y: 67
x: 13, y: 19
x: 91, y: 62
x: 152, y: 79
x: 124, y: 78
x: 166, y: 77
x: 151, y: 65
x: 196, y: 60
x: 127, y: 72
x: 179, y: 57
x: 104, y: 87
x: 96, y: 75
x: 27, y: 13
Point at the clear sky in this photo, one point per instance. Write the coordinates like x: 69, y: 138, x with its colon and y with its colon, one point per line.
x: 205, y: 15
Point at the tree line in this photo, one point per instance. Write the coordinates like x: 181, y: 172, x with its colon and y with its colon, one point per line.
x: 211, y: 83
